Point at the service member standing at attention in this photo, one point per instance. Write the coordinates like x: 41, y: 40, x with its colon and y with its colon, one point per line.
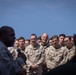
x: 22, y: 44
x: 61, y: 39
x: 44, y: 41
x: 21, y: 47
x: 27, y: 42
x: 13, y: 49
x: 70, y: 48
x: 44, y: 44
x: 67, y: 69
x: 50, y: 42
x: 55, y: 55
x: 7, y: 37
x: 35, y: 57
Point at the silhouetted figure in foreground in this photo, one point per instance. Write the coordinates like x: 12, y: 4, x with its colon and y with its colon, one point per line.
x: 14, y: 67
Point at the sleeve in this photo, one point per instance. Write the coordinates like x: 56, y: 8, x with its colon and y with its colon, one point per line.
x: 49, y: 62
x: 70, y: 54
x: 64, y: 55
x: 27, y: 56
x: 42, y: 58
x: 14, y: 66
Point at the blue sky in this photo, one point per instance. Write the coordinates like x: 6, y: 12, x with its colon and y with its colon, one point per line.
x: 39, y: 16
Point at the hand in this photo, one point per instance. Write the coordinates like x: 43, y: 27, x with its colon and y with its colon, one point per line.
x: 22, y: 56
x: 34, y: 66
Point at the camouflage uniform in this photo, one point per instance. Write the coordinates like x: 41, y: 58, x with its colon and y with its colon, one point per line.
x: 44, y: 67
x: 14, y: 52
x: 14, y: 66
x: 55, y: 57
x: 35, y: 55
x: 11, y: 49
x: 70, y: 53
x: 44, y: 46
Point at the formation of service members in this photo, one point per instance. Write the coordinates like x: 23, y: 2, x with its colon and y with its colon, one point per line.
x: 42, y: 54
x: 68, y: 68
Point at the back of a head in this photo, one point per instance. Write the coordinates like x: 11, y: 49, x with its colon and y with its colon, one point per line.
x: 5, y: 29
x: 7, y: 35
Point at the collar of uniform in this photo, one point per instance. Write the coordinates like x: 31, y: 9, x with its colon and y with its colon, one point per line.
x: 35, y: 47
x: 21, y: 49
x: 45, y: 46
x: 54, y: 49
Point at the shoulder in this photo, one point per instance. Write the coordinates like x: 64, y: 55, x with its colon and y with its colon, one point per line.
x: 28, y: 47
